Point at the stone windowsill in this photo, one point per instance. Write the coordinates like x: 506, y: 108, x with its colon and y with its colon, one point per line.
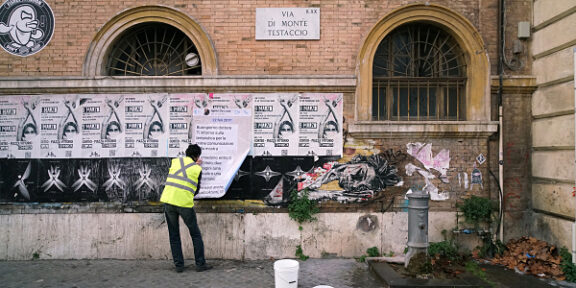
x: 434, y: 129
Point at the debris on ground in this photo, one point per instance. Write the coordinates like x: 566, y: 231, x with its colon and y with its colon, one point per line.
x: 529, y: 255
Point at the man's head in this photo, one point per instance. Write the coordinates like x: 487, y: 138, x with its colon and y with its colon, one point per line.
x: 193, y: 151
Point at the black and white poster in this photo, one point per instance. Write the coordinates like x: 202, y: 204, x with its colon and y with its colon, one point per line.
x: 147, y: 117
x: 180, y: 132
x: 104, y: 126
x: 18, y: 126
x: 320, y: 124
x: 276, y: 120
x: 60, y: 127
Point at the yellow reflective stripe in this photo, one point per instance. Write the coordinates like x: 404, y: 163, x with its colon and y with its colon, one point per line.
x: 183, y: 187
x: 183, y: 179
x: 182, y: 168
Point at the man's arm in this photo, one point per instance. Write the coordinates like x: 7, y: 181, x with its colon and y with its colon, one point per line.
x: 199, y: 180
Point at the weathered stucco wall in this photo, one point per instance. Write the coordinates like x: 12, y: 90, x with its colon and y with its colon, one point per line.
x: 226, y: 235
x: 553, y: 121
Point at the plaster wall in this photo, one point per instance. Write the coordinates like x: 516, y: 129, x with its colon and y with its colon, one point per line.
x: 552, y: 132
x: 546, y: 9
x: 553, y: 121
x: 553, y: 67
x: 552, y: 229
x: 553, y: 99
x: 553, y: 165
x: 226, y: 235
x: 547, y: 38
x: 551, y: 197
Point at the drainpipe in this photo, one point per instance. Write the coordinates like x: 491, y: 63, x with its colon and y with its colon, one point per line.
x: 500, y: 120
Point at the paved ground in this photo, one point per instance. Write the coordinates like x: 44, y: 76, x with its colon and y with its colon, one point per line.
x: 338, y: 273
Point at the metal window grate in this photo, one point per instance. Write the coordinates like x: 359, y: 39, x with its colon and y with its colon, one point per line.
x: 153, y: 49
x: 418, y: 74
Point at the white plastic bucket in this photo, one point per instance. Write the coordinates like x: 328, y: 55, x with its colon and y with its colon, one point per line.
x: 286, y: 273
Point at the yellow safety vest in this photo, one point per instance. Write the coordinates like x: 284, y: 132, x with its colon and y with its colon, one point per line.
x: 182, y: 182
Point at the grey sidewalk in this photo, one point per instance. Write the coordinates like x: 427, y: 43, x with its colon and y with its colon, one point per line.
x: 338, y: 273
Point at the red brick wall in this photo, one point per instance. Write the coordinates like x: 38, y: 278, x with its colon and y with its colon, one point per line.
x: 230, y: 25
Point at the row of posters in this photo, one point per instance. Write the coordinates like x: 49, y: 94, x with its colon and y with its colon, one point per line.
x: 162, y: 125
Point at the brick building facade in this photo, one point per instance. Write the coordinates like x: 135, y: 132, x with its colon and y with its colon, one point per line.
x: 342, y: 60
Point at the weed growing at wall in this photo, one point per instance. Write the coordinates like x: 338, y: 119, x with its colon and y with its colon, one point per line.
x: 370, y: 252
x: 300, y: 253
x: 445, y: 249
x: 568, y: 267
x: 477, y: 210
x: 301, y: 209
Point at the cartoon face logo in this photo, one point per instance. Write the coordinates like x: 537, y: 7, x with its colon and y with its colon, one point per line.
x: 26, y: 26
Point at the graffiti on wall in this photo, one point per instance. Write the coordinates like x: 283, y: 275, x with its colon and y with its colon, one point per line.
x: 431, y: 167
x: 357, y: 180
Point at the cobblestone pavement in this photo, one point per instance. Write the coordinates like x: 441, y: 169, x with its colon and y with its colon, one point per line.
x: 338, y: 273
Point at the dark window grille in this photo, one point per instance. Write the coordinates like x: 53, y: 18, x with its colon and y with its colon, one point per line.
x: 153, y: 49
x: 419, y: 74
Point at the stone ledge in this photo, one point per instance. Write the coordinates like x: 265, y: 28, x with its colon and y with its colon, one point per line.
x: 393, y: 279
x: 219, y: 84
x: 432, y: 129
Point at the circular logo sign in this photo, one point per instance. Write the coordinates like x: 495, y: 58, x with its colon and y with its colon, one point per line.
x: 26, y: 26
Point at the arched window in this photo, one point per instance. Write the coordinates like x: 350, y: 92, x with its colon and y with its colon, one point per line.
x: 153, y: 49
x: 423, y: 71
x: 151, y: 41
x: 418, y: 73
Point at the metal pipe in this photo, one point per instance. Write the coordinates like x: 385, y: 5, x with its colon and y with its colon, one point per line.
x: 500, y: 116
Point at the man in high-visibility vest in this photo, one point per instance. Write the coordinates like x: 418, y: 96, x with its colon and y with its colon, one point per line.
x: 182, y: 184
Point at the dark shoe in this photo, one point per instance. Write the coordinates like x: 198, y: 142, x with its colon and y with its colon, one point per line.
x: 203, y: 268
x: 179, y: 269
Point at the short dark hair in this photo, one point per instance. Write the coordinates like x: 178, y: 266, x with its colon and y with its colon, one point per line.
x: 193, y: 151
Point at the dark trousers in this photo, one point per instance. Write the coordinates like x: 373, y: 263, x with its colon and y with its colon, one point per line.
x: 189, y: 216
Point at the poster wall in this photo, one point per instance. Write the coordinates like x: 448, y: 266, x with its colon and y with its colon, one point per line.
x: 104, y: 132
x: 222, y: 127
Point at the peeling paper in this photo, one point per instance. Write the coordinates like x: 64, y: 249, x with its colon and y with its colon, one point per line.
x: 429, y: 188
x: 423, y: 152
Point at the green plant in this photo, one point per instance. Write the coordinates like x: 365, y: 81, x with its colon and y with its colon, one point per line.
x: 35, y: 256
x: 568, y: 267
x: 370, y: 252
x: 477, y: 209
x: 445, y: 249
x: 300, y: 253
x: 301, y: 209
x: 373, y: 252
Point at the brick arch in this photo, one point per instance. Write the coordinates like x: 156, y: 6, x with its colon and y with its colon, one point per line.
x: 469, y: 39
x: 99, y: 47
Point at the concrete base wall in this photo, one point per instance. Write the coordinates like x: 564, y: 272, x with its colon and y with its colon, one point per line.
x: 226, y: 235
x: 557, y: 231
